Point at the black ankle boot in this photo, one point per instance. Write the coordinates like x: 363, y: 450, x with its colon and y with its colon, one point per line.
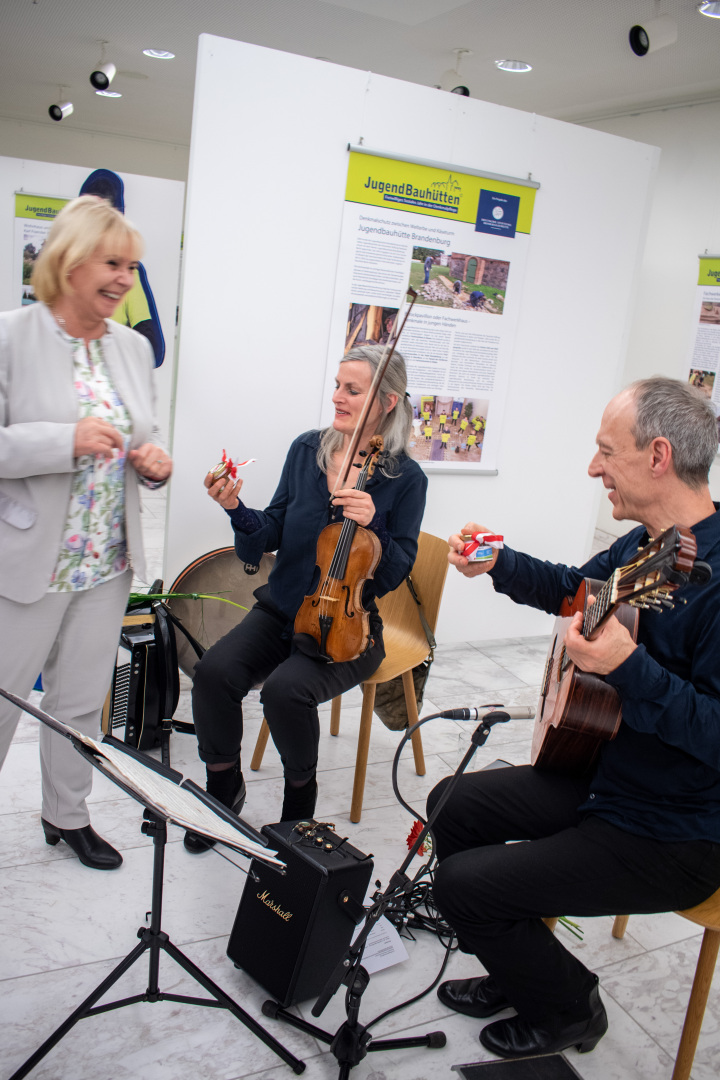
x: 299, y: 802
x: 90, y: 848
x: 228, y: 787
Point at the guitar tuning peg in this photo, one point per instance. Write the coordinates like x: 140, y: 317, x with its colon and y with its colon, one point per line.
x: 357, y: 465
x: 362, y: 453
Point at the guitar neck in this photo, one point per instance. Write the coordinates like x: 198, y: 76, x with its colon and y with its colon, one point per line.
x: 605, y: 604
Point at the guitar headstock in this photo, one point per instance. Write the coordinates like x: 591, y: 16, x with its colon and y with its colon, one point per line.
x: 657, y: 570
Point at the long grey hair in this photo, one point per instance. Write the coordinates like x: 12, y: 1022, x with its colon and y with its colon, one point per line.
x: 395, y: 426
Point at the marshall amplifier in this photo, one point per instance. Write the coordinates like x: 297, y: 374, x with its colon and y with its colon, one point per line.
x: 291, y: 930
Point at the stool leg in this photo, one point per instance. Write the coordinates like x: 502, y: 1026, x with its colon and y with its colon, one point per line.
x: 696, y: 1006
x: 620, y: 926
x: 363, y: 749
x: 335, y: 715
x: 411, y: 707
x: 260, y: 745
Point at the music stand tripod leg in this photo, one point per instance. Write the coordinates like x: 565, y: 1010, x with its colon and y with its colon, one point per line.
x: 152, y: 938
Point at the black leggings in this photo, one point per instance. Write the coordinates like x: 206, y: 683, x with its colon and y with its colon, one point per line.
x: 495, y: 893
x: 261, y: 650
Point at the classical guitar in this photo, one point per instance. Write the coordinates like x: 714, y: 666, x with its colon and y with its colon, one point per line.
x: 578, y: 710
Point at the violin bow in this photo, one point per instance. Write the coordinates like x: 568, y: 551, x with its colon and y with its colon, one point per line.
x: 390, y: 346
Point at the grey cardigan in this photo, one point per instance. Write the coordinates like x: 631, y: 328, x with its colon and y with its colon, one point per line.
x: 38, y: 414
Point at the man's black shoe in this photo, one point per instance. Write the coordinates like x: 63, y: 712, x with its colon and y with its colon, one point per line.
x: 515, y: 1037
x: 478, y: 997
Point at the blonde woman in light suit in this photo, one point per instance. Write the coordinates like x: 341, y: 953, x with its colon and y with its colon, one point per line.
x: 77, y: 435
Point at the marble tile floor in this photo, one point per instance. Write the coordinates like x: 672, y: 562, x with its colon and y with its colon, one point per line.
x: 64, y: 926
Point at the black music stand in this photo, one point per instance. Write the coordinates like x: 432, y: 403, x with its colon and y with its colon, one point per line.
x: 152, y: 938
x: 352, y: 1041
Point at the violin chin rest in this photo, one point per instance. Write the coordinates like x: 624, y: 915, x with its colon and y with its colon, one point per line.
x: 307, y: 645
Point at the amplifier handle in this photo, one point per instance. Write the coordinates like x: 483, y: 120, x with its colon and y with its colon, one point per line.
x: 351, y: 907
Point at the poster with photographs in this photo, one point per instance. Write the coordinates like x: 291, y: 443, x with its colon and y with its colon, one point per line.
x: 34, y: 214
x: 704, y: 359
x: 460, y: 240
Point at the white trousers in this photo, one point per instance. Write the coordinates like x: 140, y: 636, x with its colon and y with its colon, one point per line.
x: 72, y: 638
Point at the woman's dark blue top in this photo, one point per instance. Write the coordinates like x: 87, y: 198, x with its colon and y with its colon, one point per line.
x: 660, y: 776
x: 300, y: 510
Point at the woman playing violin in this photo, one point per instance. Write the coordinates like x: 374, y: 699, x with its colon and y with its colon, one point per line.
x: 263, y: 647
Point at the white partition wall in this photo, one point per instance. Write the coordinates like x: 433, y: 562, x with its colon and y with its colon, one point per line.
x: 266, y: 186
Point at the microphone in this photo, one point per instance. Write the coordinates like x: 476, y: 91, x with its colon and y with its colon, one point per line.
x: 513, y: 712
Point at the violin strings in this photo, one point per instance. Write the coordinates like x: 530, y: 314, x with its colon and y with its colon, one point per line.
x: 331, y: 583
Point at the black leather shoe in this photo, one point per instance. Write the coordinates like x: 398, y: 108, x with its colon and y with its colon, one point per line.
x: 90, y: 848
x: 478, y: 997
x: 515, y: 1037
x: 194, y: 842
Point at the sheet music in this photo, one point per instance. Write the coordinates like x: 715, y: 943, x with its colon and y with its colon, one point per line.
x: 177, y: 804
x: 173, y: 802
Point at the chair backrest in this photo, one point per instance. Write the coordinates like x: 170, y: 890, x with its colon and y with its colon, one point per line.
x: 398, y: 609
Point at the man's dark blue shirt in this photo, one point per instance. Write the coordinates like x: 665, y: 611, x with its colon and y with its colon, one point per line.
x: 660, y: 776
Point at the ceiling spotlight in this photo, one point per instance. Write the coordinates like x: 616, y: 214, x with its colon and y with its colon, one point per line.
x: 450, y: 80
x: 513, y: 65
x: 710, y: 8
x: 652, y: 35
x: 59, y: 112
x: 104, y: 73
x: 102, y: 76
x: 159, y: 54
x: 108, y: 93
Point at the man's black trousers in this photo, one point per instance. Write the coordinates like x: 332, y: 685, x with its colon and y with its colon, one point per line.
x: 495, y: 893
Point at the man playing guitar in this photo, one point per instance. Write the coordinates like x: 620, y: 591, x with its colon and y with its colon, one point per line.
x: 637, y: 831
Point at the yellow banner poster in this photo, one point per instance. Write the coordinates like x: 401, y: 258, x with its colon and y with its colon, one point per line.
x: 704, y: 360
x: 34, y: 214
x: 460, y: 241
x: 498, y: 206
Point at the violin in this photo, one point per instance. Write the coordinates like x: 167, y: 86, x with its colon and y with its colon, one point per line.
x: 347, y: 555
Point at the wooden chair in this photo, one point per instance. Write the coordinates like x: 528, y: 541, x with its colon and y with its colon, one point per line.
x: 706, y: 915
x: 405, y: 647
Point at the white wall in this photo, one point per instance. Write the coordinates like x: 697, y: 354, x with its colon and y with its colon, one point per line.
x: 154, y: 205
x: 49, y: 141
x: 268, y: 182
x: 684, y: 222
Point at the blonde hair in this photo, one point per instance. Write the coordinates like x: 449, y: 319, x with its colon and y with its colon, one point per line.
x: 80, y: 228
x: 395, y: 426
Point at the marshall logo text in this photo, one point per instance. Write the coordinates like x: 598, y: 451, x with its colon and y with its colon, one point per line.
x: 266, y: 899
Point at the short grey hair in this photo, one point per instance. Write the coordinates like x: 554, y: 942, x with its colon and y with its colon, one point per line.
x: 395, y: 426
x: 676, y: 411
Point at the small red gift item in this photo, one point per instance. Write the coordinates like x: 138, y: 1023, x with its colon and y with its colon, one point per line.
x: 479, y: 548
x: 413, y: 835
x: 224, y: 468
x: 228, y: 467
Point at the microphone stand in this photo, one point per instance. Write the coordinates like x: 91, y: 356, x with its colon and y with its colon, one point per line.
x: 352, y: 1041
